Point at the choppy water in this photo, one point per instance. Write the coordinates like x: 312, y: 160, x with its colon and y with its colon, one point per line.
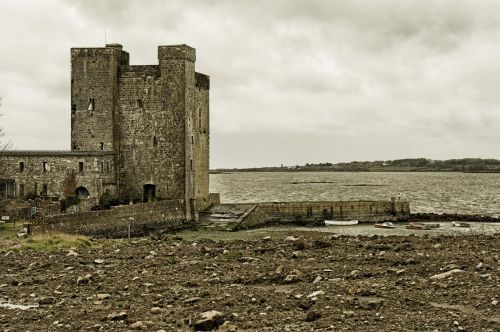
x: 468, y: 193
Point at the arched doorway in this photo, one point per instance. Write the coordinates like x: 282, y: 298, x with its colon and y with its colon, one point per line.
x: 149, y: 192
x: 82, y: 192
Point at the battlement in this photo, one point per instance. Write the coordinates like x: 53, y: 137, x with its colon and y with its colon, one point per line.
x: 176, y: 52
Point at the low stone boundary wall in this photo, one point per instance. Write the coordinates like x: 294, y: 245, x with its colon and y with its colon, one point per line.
x: 119, y: 222
x: 308, y: 212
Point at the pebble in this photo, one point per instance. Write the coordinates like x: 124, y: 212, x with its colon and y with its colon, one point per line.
x: 192, y: 299
x: 446, y: 274
x: 117, y: 316
x: 103, y: 296
x: 315, y: 294
x: 156, y: 310
x: 84, y: 280
x: 318, y: 279
x: 139, y: 325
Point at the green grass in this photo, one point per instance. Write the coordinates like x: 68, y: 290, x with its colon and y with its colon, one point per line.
x: 42, y: 242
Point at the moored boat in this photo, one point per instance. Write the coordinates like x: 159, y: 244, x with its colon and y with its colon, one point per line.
x: 416, y: 225
x: 386, y: 224
x: 460, y: 224
x: 340, y: 222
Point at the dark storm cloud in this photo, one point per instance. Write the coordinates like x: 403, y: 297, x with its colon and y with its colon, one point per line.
x: 292, y: 81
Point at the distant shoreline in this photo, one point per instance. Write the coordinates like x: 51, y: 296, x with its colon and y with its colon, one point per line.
x: 280, y: 170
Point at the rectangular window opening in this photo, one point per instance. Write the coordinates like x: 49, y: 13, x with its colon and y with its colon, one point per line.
x: 91, y: 104
x: 192, y: 139
x: 108, y: 169
x: 21, y: 166
x: 155, y: 141
x: 102, y: 145
x: 191, y: 164
x: 45, y: 190
x: 80, y: 166
x: 45, y: 167
x: 102, y: 167
x: 21, y: 190
x: 140, y: 103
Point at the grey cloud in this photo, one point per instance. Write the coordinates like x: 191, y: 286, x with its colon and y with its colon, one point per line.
x: 292, y: 81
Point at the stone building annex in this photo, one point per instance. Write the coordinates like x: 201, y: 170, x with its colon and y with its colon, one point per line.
x: 138, y: 132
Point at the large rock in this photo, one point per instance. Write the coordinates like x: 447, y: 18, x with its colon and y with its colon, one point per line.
x: 209, y: 320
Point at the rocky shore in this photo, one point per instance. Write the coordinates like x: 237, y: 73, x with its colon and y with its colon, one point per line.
x: 300, y: 281
x: 452, y: 217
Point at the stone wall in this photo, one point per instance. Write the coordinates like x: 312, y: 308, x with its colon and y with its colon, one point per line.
x: 143, y: 219
x: 52, y: 169
x: 201, y: 137
x: 288, y: 212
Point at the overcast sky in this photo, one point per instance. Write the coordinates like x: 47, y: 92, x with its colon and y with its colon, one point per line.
x: 291, y: 81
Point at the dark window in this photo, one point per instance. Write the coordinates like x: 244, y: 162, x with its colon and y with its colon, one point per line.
x: 91, y: 104
x: 140, y: 103
x: 155, y: 142
x: 108, y: 169
x: 45, y: 167
x: 21, y: 166
x: 102, y: 167
x: 192, y: 139
x: 102, y: 146
x: 45, y: 190
x: 191, y: 164
x: 21, y: 190
x: 80, y: 166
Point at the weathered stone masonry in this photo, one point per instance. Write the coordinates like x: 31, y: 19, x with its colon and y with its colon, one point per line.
x: 150, y: 124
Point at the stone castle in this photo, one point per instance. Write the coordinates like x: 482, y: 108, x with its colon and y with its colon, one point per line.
x: 138, y: 132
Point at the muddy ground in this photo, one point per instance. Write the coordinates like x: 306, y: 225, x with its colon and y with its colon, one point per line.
x: 301, y: 281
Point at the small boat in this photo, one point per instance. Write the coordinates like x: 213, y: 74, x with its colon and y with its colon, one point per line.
x: 386, y: 224
x: 416, y: 225
x: 340, y: 222
x: 460, y: 224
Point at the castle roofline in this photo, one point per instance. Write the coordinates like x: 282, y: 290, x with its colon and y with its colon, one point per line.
x: 55, y: 153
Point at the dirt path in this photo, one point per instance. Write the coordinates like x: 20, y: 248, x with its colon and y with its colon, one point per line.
x: 309, y: 281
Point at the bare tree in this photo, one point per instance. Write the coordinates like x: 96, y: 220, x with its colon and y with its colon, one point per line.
x: 3, y: 145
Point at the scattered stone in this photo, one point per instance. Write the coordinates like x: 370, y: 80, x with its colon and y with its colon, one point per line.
x: 312, y: 316
x: 446, y: 274
x: 192, y: 299
x: 318, y: 279
x: 437, y: 246
x: 228, y: 327
x: 295, y: 254
x: 72, y: 253
x: 103, y: 296
x: 451, y: 267
x: 398, y: 272
x: 305, y: 304
x: 291, y: 238
x: 85, y: 280
x: 279, y: 269
x: 99, y: 261
x: 494, y: 302
x: 315, y: 294
x: 156, y: 310
x: 370, y: 303
x: 139, y: 325
x: 117, y: 316
x: 294, y: 276
x: 209, y: 320
x: 46, y: 301
x: 267, y: 238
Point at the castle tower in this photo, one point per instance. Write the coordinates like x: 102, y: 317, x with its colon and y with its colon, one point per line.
x: 94, y: 95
